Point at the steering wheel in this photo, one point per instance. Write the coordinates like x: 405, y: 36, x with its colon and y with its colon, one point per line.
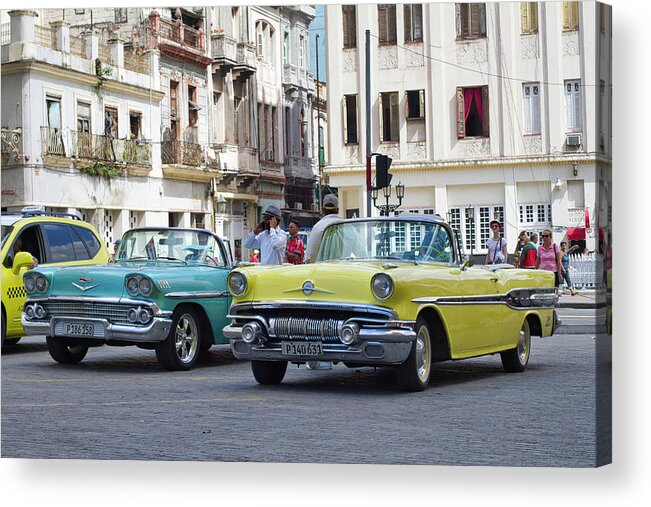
x: 209, y: 259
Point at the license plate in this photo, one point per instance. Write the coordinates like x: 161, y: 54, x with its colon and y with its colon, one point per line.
x: 301, y: 348
x: 78, y: 329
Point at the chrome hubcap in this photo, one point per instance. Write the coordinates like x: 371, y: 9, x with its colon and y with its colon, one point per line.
x: 523, y: 345
x: 423, y: 354
x: 186, y: 338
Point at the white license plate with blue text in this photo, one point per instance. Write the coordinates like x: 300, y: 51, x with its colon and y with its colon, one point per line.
x: 79, y: 329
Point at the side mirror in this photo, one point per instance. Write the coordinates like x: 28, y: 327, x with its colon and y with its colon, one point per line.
x: 22, y: 260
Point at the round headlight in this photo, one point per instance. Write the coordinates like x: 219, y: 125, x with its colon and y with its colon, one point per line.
x: 144, y: 316
x: 29, y: 312
x: 237, y: 283
x: 41, y: 283
x: 382, y: 286
x: 349, y: 333
x: 39, y: 311
x: 132, y: 315
x: 145, y: 286
x: 30, y: 283
x: 132, y: 285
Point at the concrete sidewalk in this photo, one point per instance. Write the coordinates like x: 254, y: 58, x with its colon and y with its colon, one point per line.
x: 590, y: 300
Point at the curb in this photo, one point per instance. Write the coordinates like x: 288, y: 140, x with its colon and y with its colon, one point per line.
x: 580, y: 329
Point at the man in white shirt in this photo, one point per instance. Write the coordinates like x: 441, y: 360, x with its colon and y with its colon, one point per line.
x: 268, y: 237
x: 331, y: 214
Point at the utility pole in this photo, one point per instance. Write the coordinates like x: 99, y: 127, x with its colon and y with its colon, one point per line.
x: 368, y: 123
x: 318, y: 122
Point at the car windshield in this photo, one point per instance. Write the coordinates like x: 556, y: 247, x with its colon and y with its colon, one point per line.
x: 406, y: 240
x: 176, y: 245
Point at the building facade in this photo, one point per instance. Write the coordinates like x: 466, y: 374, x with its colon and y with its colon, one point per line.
x: 221, y: 98
x: 488, y: 110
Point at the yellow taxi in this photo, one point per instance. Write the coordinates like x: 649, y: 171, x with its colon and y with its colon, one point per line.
x: 34, y: 236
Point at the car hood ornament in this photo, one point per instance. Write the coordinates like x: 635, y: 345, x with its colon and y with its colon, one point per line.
x: 308, y: 288
x: 83, y: 288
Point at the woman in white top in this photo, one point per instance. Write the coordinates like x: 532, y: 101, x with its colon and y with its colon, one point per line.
x: 496, y: 245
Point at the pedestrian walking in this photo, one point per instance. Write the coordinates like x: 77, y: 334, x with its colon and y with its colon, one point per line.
x: 550, y: 257
x: 268, y: 237
x: 330, y: 212
x: 529, y: 253
x: 565, y: 261
x: 295, y: 248
x: 523, y: 239
x: 496, y: 245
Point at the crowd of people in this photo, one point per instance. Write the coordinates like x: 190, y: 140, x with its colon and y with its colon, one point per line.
x: 529, y: 254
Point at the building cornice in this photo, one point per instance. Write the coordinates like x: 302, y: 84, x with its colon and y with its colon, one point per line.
x: 33, y: 66
x: 489, y: 163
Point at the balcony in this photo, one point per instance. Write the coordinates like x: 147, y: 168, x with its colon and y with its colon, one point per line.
x: 246, y: 60
x: 178, y: 40
x: 224, y: 50
x: 52, y: 142
x: 271, y: 171
x: 299, y: 168
x: 180, y: 153
x: 11, y: 140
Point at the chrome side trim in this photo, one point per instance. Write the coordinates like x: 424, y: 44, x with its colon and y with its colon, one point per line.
x: 198, y: 294
x: 518, y: 299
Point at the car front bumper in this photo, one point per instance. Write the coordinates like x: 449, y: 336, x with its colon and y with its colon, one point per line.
x: 382, y: 346
x: 156, y: 331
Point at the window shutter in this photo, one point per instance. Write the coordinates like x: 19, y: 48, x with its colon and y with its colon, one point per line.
x: 417, y: 22
x: 482, y: 18
x: 382, y: 23
x: 345, y: 118
x: 535, y: 105
x: 461, y: 125
x: 395, y: 117
x: 407, y: 14
x: 380, y: 117
x: 524, y: 17
x: 392, y: 29
x: 567, y: 16
x: 526, y: 106
x: 421, y: 94
x: 533, y: 17
x: 486, y: 123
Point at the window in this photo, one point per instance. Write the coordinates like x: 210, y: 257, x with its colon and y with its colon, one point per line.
x: 193, y: 106
x: 81, y: 252
x: 58, y: 240
x: 472, y: 112
x: 111, y: 122
x: 534, y: 217
x: 350, y: 119
x: 471, y: 20
x: 120, y: 15
x: 413, y: 14
x: 570, y: 16
x: 135, y: 125
x: 259, y: 39
x: 528, y: 17
x: 237, y: 101
x: 83, y: 117
x: 473, y: 222
x: 321, y: 146
x: 573, y: 106
x: 301, y: 48
x: 415, y: 104
x: 603, y: 12
x: 80, y: 11
x: 286, y: 48
x: 53, y: 110
x: 90, y: 241
x: 531, y: 107
x: 389, y: 120
x: 386, y: 20
x: 349, y: 15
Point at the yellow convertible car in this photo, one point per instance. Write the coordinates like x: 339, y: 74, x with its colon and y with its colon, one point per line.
x: 389, y: 291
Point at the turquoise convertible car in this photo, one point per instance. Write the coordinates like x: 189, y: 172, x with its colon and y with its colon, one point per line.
x: 166, y: 291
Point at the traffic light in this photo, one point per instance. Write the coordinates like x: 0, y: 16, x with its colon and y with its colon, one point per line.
x: 382, y: 174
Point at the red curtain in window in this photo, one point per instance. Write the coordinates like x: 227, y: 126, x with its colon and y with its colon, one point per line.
x: 470, y: 95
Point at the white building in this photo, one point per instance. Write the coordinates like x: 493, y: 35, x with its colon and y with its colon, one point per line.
x: 489, y: 110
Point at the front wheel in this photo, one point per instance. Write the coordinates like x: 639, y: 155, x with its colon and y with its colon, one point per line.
x: 414, y: 373
x: 65, y: 351
x: 269, y: 372
x: 515, y: 360
x: 180, y: 350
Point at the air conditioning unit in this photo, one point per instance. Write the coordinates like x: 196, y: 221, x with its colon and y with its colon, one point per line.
x: 298, y: 205
x: 573, y: 140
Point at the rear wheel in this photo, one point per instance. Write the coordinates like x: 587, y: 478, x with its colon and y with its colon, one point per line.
x: 65, y: 351
x: 515, y: 360
x: 269, y: 372
x: 414, y: 373
x: 180, y: 350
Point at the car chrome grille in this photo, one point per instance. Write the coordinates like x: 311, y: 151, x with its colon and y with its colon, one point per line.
x: 298, y: 328
x: 113, y: 312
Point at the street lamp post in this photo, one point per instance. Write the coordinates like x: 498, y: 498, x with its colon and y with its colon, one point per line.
x: 387, y: 208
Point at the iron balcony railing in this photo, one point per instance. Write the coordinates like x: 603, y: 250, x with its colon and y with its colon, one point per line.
x: 177, y: 152
x: 52, y: 142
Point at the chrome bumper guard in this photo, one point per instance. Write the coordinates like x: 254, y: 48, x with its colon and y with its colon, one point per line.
x: 156, y: 331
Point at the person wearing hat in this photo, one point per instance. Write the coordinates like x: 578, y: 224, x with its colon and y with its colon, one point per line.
x: 116, y: 246
x: 268, y: 237
x: 496, y: 245
x: 330, y: 211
